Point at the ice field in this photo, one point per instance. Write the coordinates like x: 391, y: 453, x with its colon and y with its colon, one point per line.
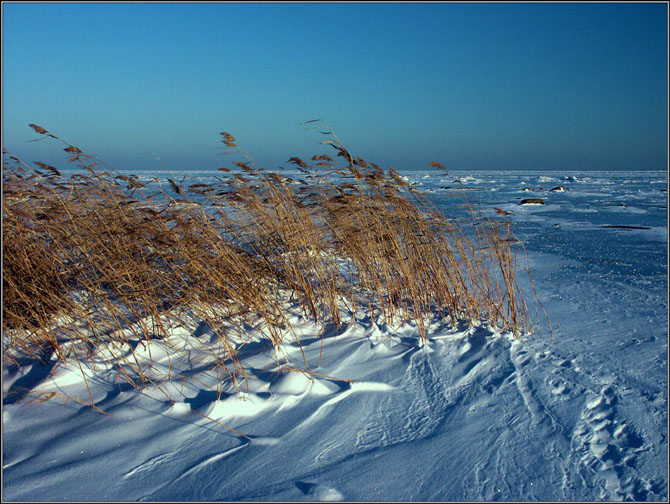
x: 473, y: 415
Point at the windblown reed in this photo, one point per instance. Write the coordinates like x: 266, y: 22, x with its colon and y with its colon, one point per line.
x: 96, y: 258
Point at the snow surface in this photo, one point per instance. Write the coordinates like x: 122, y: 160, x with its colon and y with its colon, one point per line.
x: 473, y: 415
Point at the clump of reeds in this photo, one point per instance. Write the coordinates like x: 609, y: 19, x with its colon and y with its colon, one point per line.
x: 96, y: 258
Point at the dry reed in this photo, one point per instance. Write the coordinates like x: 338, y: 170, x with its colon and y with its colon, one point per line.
x: 95, y: 260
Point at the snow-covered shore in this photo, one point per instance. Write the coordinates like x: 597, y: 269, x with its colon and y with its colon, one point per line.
x: 473, y: 415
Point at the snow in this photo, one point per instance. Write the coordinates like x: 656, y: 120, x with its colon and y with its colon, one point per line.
x: 472, y: 415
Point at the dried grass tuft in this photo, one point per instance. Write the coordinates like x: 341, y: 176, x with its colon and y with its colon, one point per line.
x: 93, y: 261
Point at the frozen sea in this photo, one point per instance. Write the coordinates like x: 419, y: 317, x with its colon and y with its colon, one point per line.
x: 474, y: 416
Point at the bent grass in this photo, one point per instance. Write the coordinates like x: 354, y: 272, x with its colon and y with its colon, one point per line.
x: 94, y: 264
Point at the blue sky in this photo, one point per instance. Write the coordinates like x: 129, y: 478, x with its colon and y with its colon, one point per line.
x: 475, y: 86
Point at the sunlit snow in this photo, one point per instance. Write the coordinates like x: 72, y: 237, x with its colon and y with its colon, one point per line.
x: 472, y: 415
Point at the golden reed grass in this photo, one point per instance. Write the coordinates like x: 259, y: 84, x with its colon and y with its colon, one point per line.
x: 96, y: 260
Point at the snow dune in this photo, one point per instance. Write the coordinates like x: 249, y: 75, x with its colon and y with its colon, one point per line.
x: 472, y: 415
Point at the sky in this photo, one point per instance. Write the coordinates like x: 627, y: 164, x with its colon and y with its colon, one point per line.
x: 503, y: 86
